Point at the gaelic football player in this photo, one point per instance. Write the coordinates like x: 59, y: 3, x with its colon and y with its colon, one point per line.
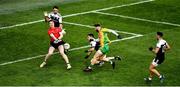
x: 56, y: 42
x: 54, y: 16
x: 94, y: 46
x: 160, y: 49
x: 100, y: 55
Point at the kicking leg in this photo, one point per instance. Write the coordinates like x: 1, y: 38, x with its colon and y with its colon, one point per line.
x: 95, y: 60
x: 109, y: 59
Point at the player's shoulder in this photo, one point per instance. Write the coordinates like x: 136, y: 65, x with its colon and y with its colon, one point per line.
x: 59, y: 14
x: 58, y: 29
x: 51, y: 13
x: 50, y: 30
x: 162, y: 41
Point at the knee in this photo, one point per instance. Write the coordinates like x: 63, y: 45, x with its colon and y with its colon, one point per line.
x: 93, y: 61
x: 62, y: 52
x: 151, y: 68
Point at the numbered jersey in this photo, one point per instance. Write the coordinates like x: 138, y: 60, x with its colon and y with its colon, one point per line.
x: 55, y: 17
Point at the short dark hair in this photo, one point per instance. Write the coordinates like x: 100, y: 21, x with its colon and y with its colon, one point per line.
x: 97, y: 25
x: 160, y: 34
x: 91, y: 35
x: 55, y: 7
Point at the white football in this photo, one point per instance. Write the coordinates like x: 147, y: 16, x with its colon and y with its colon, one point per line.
x: 66, y: 46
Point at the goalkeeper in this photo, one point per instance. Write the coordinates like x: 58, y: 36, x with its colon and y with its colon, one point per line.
x: 55, y: 16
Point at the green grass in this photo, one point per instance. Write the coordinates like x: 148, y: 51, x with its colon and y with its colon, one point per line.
x: 32, y: 40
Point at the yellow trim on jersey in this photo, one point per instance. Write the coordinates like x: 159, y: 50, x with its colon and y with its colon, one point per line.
x: 103, y: 36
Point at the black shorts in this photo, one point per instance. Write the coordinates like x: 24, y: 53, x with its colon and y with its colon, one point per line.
x: 159, y: 59
x: 97, y: 46
x: 56, y: 45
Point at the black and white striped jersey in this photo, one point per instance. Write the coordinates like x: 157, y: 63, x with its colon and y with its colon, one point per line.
x: 55, y: 17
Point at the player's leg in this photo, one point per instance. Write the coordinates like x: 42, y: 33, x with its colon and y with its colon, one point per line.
x: 94, y: 60
x: 151, y: 74
x: 61, y: 51
x: 110, y: 60
x: 101, y: 61
x: 153, y: 70
x: 50, y: 52
x: 115, y: 57
x: 104, y: 51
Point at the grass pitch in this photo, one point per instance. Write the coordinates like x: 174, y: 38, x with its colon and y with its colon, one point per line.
x: 31, y: 40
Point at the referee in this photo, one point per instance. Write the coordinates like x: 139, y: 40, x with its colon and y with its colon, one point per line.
x: 160, y: 49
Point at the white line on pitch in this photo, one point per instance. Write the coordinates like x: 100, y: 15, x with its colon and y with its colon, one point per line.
x: 88, y: 26
x: 140, y: 19
x: 75, y: 14
x: 73, y: 49
x: 109, y: 8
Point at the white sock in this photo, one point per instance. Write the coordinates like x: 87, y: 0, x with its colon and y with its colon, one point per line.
x: 68, y: 64
x: 150, y: 78
x: 89, y: 67
x: 160, y: 76
x: 111, y: 62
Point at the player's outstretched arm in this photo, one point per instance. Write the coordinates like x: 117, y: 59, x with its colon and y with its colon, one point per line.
x: 115, y: 33
x: 47, y: 19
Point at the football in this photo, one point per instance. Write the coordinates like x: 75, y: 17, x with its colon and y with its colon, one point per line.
x: 66, y: 46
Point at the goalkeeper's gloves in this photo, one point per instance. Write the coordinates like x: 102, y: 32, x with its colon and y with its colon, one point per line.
x: 150, y: 48
x: 87, y: 56
x: 57, y: 41
x: 119, y: 37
